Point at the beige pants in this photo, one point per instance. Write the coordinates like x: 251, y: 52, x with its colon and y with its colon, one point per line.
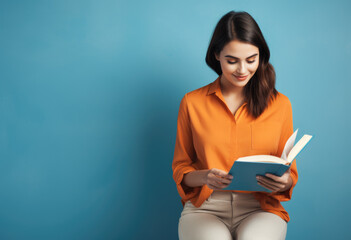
x: 227, y: 216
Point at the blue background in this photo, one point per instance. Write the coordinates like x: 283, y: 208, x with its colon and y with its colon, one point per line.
x: 89, y: 96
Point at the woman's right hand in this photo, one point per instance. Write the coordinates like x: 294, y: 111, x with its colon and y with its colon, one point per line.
x: 217, y: 179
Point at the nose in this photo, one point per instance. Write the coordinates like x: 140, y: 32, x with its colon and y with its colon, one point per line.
x: 241, y: 68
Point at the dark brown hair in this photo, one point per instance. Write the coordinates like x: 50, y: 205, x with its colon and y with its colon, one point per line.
x: 242, y: 27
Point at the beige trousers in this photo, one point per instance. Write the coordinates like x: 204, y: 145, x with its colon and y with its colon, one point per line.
x: 227, y: 216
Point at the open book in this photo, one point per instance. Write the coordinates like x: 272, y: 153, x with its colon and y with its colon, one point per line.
x: 245, y: 169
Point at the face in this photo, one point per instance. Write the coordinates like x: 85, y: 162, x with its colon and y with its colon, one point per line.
x: 239, y: 62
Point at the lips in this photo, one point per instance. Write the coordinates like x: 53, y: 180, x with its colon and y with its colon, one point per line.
x: 241, y: 78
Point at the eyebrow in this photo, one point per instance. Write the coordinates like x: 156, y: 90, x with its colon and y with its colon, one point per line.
x: 238, y: 58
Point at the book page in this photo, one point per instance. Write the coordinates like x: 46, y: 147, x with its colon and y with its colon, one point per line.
x: 289, y: 145
x: 298, y: 147
x: 262, y: 158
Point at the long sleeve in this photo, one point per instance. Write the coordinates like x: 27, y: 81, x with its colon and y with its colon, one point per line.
x: 184, y: 152
x: 286, y: 132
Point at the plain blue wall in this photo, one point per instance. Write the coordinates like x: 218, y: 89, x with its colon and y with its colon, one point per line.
x: 89, y: 96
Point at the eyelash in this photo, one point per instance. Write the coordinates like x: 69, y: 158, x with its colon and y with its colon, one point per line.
x: 236, y: 62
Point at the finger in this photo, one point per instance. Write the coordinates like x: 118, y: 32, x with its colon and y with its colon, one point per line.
x: 221, y: 179
x: 224, y: 186
x: 266, y: 186
x: 218, y: 184
x: 221, y: 184
x: 221, y: 173
x: 274, y: 177
x: 266, y: 178
x: 269, y: 186
x: 283, y: 179
x: 271, y: 182
x: 213, y: 187
x: 217, y: 178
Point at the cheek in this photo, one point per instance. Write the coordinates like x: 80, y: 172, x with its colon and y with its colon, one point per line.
x: 253, y: 69
x: 227, y: 68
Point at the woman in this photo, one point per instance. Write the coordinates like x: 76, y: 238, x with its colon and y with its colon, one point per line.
x: 239, y: 114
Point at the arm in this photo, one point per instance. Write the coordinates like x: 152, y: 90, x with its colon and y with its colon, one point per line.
x: 213, y: 178
x: 282, y: 187
x: 184, y: 152
x: 188, y: 179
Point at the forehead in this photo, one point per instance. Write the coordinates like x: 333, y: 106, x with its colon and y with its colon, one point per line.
x: 239, y: 49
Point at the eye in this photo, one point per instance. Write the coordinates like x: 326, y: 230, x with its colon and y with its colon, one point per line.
x: 230, y: 62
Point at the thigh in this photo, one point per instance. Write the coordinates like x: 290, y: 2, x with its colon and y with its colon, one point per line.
x: 202, y: 226
x: 262, y: 225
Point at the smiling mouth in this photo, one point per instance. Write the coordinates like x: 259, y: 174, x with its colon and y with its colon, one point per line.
x: 241, y: 77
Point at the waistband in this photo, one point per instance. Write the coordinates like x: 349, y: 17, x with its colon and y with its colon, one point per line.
x: 229, y: 195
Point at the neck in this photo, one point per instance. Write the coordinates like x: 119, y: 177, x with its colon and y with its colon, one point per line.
x: 231, y: 91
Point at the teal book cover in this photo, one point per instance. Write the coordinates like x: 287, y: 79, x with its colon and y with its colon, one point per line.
x: 245, y: 169
x: 245, y: 173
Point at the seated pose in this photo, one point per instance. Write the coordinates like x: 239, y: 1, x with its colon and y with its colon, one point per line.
x: 237, y: 115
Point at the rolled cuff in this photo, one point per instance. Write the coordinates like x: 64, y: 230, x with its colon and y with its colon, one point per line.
x: 286, y: 195
x: 185, y: 192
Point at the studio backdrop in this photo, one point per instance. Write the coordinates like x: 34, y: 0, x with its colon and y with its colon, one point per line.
x: 89, y: 97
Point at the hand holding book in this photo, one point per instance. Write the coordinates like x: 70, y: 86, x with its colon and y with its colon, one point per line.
x: 275, y: 183
x: 245, y: 169
x: 217, y: 179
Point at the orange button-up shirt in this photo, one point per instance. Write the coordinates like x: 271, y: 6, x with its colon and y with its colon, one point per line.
x: 209, y: 136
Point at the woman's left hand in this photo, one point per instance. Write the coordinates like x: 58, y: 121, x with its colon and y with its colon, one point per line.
x: 275, y: 183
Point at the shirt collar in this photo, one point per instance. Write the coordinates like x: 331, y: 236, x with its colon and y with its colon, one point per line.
x: 214, y: 87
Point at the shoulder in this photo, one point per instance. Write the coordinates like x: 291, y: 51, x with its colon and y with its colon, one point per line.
x: 199, y: 92
x: 278, y: 106
x: 281, y: 100
x: 198, y: 95
x: 282, y: 105
x: 194, y: 98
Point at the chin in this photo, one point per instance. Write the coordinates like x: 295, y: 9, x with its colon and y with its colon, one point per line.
x: 240, y: 83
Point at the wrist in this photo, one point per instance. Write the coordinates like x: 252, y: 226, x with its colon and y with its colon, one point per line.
x: 204, y: 174
x: 196, y: 178
x: 289, y: 184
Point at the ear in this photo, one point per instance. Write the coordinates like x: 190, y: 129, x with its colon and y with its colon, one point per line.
x: 216, y: 56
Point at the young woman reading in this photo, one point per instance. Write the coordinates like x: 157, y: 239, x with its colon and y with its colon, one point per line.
x: 239, y: 114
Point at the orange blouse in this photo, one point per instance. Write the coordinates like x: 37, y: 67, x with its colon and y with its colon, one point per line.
x: 210, y: 136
